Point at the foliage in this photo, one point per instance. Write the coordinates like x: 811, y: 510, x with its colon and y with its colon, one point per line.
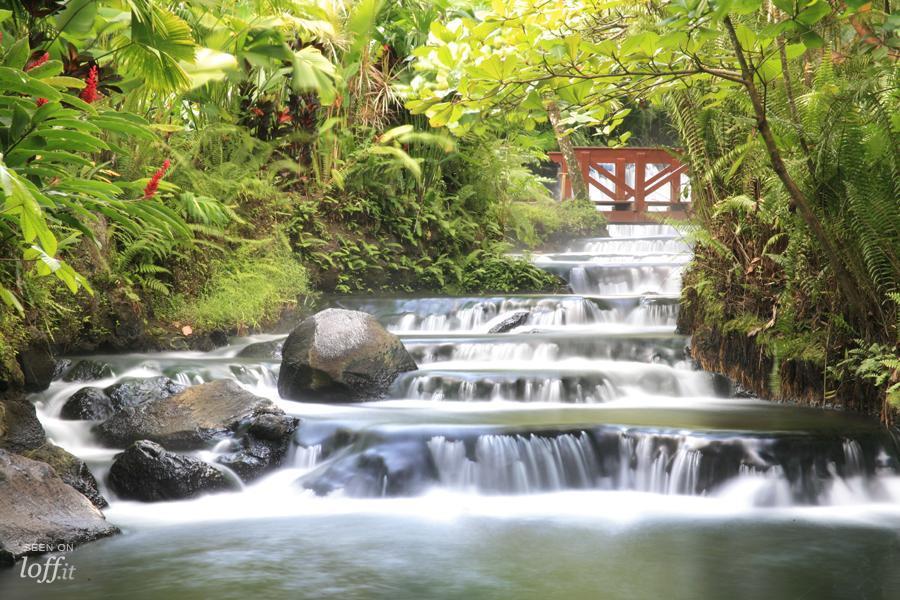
x: 491, y: 271
x: 245, y: 290
x: 544, y: 221
x: 786, y: 116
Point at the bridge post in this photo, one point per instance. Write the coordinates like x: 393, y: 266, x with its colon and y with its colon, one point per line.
x: 640, y: 179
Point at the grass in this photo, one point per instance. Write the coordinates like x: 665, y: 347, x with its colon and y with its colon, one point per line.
x: 248, y: 289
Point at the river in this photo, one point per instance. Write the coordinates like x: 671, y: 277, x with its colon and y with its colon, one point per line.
x: 579, y: 455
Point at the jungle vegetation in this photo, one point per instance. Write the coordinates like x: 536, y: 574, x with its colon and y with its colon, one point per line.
x: 204, y: 165
x: 787, y: 113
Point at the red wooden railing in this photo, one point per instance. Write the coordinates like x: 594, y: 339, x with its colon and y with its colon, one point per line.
x: 630, y: 185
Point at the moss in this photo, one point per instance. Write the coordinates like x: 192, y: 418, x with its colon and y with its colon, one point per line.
x: 12, y: 338
x: 248, y: 289
x: 544, y: 221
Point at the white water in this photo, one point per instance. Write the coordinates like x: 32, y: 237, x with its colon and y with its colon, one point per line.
x: 588, y: 413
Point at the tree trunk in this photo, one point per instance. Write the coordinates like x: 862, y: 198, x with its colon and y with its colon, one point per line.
x: 845, y: 280
x: 576, y: 177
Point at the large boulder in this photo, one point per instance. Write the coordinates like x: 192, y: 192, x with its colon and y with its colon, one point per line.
x: 21, y: 432
x: 196, y: 418
x: 38, y: 507
x: 94, y: 404
x: 147, y: 472
x: 341, y: 355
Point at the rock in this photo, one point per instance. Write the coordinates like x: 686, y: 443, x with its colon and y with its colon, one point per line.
x: 134, y: 392
x: 263, y: 350
x: 147, y: 472
x: 88, y: 370
x: 218, y: 338
x: 62, y: 365
x: 38, y: 368
x: 70, y: 469
x: 38, y: 507
x: 194, y: 419
x: 87, y: 404
x: 20, y: 429
x: 341, y: 356
x: 94, y: 404
x: 509, y: 321
x: 392, y: 469
x: 262, y: 446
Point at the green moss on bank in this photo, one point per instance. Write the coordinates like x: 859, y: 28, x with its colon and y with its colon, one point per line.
x: 249, y: 288
x: 545, y: 221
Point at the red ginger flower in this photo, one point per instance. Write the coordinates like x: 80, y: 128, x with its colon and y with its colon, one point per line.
x: 33, y: 64
x: 284, y: 117
x: 41, y: 101
x: 153, y: 184
x: 90, y: 94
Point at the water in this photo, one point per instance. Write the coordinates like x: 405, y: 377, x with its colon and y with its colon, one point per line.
x: 579, y: 455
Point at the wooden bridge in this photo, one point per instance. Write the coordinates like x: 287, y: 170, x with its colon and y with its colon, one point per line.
x: 630, y: 185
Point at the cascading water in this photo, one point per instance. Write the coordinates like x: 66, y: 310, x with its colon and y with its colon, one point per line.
x: 579, y: 445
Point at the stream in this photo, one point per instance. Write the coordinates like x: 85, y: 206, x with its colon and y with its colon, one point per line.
x: 579, y: 455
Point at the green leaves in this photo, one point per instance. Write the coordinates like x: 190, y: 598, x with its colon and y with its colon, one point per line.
x: 313, y: 72
x: 157, y: 44
x: 21, y: 201
x: 77, y: 18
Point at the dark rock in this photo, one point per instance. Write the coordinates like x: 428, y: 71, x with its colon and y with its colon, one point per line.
x: 341, y: 356
x: 134, y: 392
x: 394, y: 469
x: 262, y: 446
x: 739, y: 391
x: 38, y: 368
x: 193, y: 419
x: 94, y: 404
x: 38, y: 507
x: 511, y: 321
x: 218, y: 338
x: 88, y: 404
x: 62, y: 365
x: 88, y: 370
x: 147, y: 472
x: 71, y: 469
x: 20, y: 429
x: 263, y: 350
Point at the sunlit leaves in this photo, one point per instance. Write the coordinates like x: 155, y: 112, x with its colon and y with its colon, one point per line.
x: 155, y: 48
x: 208, y: 65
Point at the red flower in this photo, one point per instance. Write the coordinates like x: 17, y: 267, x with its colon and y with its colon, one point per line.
x: 41, y: 101
x: 257, y: 111
x: 90, y: 94
x: 153, y: 184
x: 284, y: 117
x: 33, y: 64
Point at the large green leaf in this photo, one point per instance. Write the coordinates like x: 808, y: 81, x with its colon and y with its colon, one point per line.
x: 156, y: 48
